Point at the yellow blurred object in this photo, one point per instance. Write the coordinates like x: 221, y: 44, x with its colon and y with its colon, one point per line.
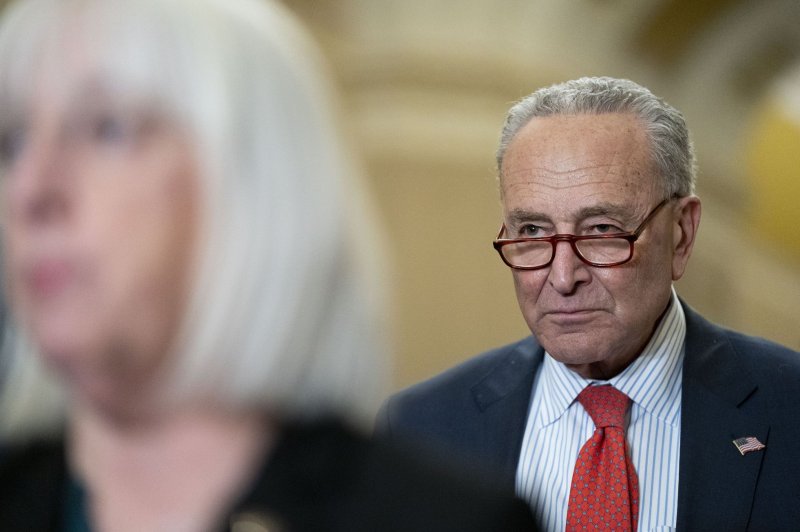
x: 773, y: 168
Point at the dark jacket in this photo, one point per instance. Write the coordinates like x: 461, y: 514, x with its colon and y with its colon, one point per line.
x: 733, y: 386
x: 320, y: 477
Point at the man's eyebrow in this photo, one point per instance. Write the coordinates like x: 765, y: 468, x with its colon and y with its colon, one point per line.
x: 518, y: 216
x: 623, y: 212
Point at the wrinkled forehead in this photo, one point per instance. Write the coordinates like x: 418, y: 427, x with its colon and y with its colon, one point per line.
x: 597, y: 151
x: 78, y: 47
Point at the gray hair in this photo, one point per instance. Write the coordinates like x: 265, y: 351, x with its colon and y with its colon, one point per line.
x: 286, y: 307
x: 665, y: 127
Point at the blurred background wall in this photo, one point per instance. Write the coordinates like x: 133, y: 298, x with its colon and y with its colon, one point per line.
x: 426, y: 86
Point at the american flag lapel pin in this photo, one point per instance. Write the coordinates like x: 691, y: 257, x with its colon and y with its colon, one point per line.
x: 748, y: 444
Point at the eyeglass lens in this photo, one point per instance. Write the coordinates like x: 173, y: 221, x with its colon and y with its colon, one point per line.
x: 599, y: 251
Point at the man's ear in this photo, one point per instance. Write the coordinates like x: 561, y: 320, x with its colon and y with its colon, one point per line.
x: 686, y: 220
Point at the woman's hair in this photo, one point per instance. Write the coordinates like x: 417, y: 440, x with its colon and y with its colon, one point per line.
x: 670, y: 144
x: 286, y: 307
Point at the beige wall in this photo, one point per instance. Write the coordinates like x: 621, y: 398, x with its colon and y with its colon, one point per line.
x: 426, y: 85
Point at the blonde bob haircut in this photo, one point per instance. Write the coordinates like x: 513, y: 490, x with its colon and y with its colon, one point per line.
x: 285, y: 310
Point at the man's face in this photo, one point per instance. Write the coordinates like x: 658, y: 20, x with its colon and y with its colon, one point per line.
x: 590, y: 175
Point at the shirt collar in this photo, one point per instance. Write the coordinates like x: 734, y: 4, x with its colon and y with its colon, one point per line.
x: 652, y: 381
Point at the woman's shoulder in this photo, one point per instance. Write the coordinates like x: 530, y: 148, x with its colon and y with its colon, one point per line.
x: 22, y: 463
x: 32, y: 479
x: 329, y: 476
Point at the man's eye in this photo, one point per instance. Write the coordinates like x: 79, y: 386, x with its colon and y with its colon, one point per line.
x: 530, y: 231
x: 605, y: 229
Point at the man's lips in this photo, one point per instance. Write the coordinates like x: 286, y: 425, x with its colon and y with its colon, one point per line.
x: 571, y: 316
x: 570, y: 311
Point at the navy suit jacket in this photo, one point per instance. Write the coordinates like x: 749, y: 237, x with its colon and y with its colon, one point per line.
x: 733, y: 386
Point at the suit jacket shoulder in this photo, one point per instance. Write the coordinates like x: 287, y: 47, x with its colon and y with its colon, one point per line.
x: 738, y: 386
x: 476, y: 410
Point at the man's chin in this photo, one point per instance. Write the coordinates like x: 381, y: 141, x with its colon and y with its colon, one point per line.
x: 574, y: 348
x: 568, y: 342
x: 574, y: 359
x: 586, y: 356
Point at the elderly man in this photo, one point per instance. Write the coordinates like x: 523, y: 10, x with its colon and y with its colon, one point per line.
x: 625, y: 409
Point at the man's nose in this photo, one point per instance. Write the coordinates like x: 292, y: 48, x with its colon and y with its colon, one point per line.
x: 567, y: 271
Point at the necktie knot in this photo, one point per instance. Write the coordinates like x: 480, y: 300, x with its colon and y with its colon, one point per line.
x: 605, y: 404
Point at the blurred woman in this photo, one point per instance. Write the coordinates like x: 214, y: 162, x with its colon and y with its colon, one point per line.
x: 192, y: 273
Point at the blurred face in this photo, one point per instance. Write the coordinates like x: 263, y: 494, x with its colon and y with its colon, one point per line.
x: 99, y: 217
x: 591, y: 175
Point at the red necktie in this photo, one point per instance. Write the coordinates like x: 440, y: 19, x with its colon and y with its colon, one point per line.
x: 605, y: 491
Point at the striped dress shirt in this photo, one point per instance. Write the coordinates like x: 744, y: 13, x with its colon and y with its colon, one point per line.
x: 558, y: 426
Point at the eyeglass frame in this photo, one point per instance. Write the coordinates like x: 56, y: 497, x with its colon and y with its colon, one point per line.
x: 631, y: 237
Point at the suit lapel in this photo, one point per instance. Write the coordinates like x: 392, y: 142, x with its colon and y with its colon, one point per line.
x: 717, y: 483
x: 503, y: 397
